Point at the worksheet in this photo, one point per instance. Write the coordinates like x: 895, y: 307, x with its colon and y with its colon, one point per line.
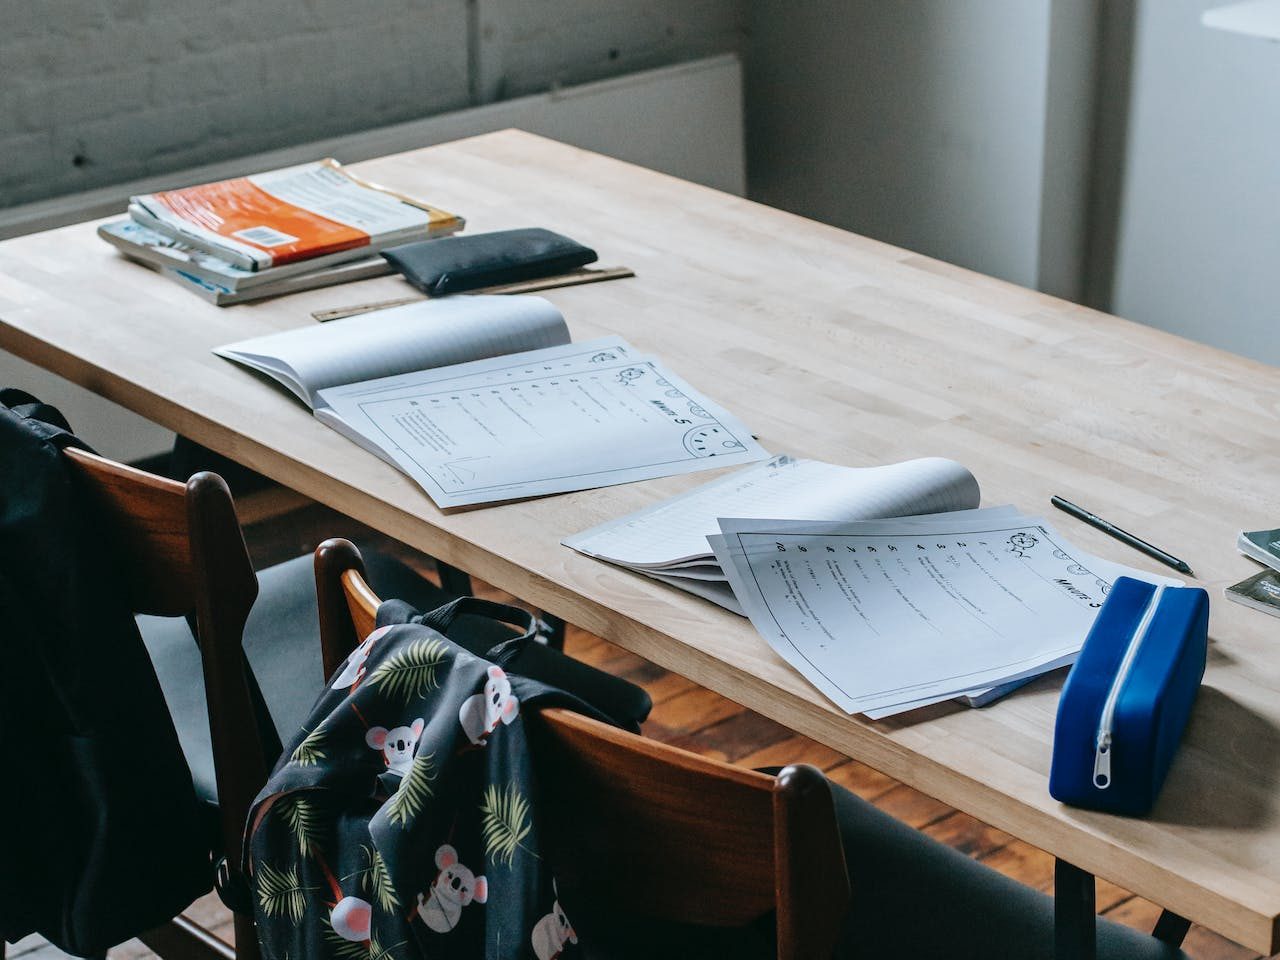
x: 545, y: 421
x: 400, y: 340
x: 673, y: 532
x: 882, y: 615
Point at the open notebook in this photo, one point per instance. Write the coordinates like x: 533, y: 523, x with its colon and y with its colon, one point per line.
x: 417, y: 336
x: 481, y: 399
x: 668, y: 541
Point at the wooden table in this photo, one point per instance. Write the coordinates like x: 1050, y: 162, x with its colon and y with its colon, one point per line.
x: 884, y: 355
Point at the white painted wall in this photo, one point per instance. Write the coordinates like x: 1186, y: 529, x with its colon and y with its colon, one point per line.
x: 919, y: 122
x: 1198, y: 243
x: 96, y: 92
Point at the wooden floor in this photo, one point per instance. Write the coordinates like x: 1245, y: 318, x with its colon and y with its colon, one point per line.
x: 696, y: 719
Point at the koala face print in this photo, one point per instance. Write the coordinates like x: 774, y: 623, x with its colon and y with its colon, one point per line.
x: 454, y: 888
x: 551, y: 933
x: 481, y: 713
x: 352, y: 671
x: 500, y: 705
x: 397, y: 745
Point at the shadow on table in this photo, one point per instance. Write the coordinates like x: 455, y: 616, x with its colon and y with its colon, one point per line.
x: 1226, y: 771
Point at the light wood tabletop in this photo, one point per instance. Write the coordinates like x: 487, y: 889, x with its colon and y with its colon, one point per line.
x: 828, y: 345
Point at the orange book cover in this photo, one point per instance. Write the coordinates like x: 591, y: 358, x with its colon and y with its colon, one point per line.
x: 299, y: 213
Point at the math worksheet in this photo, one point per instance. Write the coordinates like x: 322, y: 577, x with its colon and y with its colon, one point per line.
x: 545, y: 421
x: 884, y: 616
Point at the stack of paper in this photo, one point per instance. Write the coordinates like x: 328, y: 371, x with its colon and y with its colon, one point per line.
x: 668, y: 541
x: 886, y: 616
x: 942, y: 601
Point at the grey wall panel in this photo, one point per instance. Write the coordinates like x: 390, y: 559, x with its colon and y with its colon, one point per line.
x: 526, y: 46
x: 1198, y: 242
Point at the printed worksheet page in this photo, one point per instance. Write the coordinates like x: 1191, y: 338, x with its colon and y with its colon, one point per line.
x: 544, y: 422
x: 432, y: 333
x: 675, y: 531
x: 878, y: 615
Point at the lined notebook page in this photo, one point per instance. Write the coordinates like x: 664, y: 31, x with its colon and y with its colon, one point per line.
x: 675, y: 531
x: 417, y: 336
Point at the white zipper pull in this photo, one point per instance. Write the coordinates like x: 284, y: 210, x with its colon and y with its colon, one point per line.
x: 1102, y: 752
x: 1102, y: 762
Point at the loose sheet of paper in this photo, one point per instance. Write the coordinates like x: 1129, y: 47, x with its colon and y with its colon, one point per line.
x: 879, y: 616
x: 545, y: 421
x: 675, y: 531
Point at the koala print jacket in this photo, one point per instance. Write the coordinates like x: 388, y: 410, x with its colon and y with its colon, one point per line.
x: 402, y: 822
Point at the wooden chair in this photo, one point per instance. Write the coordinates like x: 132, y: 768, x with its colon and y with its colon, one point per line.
x: 184, y: 556
x: 674, y: 836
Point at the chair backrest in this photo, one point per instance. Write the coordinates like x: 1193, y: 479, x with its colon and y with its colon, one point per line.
x: 182, y: 553
x: 632, y: 821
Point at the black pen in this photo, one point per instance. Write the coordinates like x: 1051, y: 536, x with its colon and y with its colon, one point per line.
x: 1123, y: 536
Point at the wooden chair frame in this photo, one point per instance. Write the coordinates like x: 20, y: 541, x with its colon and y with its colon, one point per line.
x: 679, y: 858
x: 184, y: 555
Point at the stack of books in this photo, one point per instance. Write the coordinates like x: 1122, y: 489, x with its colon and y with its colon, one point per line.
x: 299, y: 228
x: 1262, y: 590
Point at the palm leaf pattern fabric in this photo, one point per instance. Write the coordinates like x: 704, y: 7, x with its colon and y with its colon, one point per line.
x: 279, y: 892
x: 506, y: 822
x: 411, y: 672
x: 311, y: 750
x: 414, y: 792
x: 402, y: 820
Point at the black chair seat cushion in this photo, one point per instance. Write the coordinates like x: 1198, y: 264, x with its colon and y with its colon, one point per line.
x: 282, y: 643
x: 913, y: 898
x: 916, y: 897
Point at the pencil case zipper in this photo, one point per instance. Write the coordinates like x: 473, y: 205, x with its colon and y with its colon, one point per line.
x: 1102, y: 748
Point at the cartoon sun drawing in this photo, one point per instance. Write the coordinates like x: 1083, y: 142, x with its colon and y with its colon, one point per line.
x: 628, y: 375
x: 710, y: 440
x: 1022, y: 542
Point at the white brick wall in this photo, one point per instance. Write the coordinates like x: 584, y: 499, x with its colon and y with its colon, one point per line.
x: 94, y: 92
x: 105, y: 90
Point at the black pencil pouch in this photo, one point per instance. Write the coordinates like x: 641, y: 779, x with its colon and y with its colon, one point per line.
x: 454, y: 264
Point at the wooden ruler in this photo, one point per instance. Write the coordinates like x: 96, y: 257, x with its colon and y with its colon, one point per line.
x: 571, y: 279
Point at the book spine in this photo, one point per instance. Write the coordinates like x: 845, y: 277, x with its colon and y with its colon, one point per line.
x: 144, y: 215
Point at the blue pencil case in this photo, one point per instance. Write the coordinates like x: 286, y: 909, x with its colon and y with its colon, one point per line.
x: 1127, y: 699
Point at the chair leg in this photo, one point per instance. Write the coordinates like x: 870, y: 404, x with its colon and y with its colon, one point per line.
x: 246, y: 938
x: 185, y: 939
x: 1074, y: 913
x: 1171, y: 928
